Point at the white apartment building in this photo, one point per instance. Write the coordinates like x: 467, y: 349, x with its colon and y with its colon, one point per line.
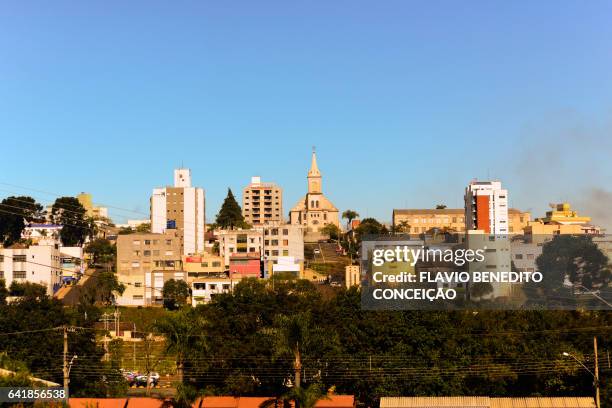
x: 35, y: 264
x: 239, y: 242
x: 180, y: 207
x: 271, y: 242
x: 204, y: 289
x: 486, y: 207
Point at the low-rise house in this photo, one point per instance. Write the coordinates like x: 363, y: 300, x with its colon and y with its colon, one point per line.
x: 486, y: 402
x: 204, y: 289
x: 245, y: 266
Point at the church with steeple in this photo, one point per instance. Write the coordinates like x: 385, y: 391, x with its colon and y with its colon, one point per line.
x: 314, y: 210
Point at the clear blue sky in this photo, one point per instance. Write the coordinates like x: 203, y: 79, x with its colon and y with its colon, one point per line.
x: 406, y: 101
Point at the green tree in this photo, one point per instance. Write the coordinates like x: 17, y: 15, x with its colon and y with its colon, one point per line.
x: 107, y: 286
x: 70, y: 213
x: 103, y: 252
x: 302, y: 397
x: 185, y: 396
x: 402, y: 227
x: 4, y: 292
x: 175, y: 293
x: 576, y: 258
x: 293, y: 336
x: 183, y: 331
x: 331, y: 230
x: 230, y: 214
x: 144, y: 227
x: 369, y: 226
x: 14, y: 213
x: 349, y: 215
x: 125, y: 231
x: 28, y: 290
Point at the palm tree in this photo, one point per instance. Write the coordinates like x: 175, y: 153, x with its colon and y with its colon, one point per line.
x: 301, y: 397
x: 183, y: 331
x: 184, y: 397
x: 293, y: 335
x: 350, y: 215
x: 402, y: 226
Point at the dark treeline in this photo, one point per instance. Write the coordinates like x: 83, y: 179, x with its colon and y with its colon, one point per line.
x: 372, y: 354
x: 243, y: 344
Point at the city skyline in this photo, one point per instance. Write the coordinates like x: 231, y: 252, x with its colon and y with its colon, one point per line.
x: 402, y: 116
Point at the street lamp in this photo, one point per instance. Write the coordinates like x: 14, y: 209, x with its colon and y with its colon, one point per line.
x: 595, y: 376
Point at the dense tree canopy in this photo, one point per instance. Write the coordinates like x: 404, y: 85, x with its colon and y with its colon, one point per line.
x: 36, y: 341
x: 14, y: 213
x: 76, y: 227
x: 175, y: 293
x: 103, y: 253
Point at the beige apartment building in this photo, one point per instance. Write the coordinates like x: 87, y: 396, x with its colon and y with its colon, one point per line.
x: 417, y: 221
x: 420, y: 220
x: 518, y: 220
x: 144, y: 262
x: 262, y: 203
x: 559, y: 221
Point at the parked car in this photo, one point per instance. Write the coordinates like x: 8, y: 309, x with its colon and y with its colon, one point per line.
x: 141, y: 380
x: 129, y: 376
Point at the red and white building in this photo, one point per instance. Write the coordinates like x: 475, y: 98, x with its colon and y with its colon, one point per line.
x: 486, y: 207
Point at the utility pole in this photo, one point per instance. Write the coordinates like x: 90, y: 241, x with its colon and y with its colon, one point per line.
x: 134, y: 348
x: 597, y: 402
x: 66, y: 372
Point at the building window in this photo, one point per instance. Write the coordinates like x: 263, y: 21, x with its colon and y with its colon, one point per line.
x: 147, y: 242
x: 138, y: 284
x: 285, y: 252
x: 147, y: 253
x: 136, y: 242
x: 19, y: 258
x: 19, y: 274
x: 518, y: 256
x: 137, y: 297
x: 216, y: 264
x: 135, y: 264
x: 168, y: 242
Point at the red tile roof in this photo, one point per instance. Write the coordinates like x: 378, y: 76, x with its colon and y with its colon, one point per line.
x: 335, y: 401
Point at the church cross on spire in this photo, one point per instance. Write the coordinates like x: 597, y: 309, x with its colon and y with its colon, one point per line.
x: 314, y: 169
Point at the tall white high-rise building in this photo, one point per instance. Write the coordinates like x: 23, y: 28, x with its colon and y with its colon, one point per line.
x: 486, y: 207
x: 180, y: 207
x: 486, y: 224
